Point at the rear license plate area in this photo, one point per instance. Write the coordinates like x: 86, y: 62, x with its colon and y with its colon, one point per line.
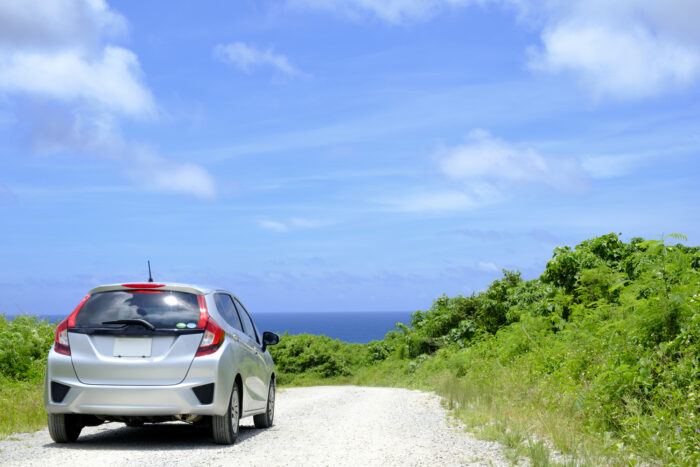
x: 132, y: 347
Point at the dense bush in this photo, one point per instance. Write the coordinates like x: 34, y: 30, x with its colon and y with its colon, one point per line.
x: 316, y: 355
x: 610, y: 333
x: 24, y: 346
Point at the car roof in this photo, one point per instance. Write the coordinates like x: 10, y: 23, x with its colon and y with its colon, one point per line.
x: 174, y: 286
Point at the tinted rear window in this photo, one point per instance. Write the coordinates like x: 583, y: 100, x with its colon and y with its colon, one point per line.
x: 163, y: 309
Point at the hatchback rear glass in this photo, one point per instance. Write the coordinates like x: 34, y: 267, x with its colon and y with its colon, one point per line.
x: 163, y: 309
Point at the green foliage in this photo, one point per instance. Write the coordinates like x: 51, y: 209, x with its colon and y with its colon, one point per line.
x: 599, y: 355
x: 24, y: 346
x: 318, y: 355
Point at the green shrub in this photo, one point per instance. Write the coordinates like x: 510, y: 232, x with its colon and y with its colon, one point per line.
x: 24, y: 345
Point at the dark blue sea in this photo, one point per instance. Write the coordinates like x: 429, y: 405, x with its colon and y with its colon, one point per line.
x: 350, y: 326
x: 347, y: 326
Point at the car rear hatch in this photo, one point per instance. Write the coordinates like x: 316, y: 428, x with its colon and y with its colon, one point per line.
x: 137, y: 334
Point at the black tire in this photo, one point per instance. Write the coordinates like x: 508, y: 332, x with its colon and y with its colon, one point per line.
x: 134, y: 424
x: 264, y: 420
x: 64, y: 428
x: 224, y: 428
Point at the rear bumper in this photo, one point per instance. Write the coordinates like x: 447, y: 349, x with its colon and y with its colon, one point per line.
x: 176, y: 399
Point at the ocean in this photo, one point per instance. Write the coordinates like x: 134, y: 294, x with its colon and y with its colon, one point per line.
x: 348, y: 326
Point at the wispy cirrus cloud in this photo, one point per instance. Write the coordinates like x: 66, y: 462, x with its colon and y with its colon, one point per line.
x: 293, y: 223
x: 391, y: 11
x: 487, y: 170
x: 486, y: 158
x: 247, y: 58
x: 55, y: 130
x: 486, y: 266
x: 441, y: 200
x: 60, y: 53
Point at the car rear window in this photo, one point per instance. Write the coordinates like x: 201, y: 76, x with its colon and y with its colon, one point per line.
x: 163, y: 309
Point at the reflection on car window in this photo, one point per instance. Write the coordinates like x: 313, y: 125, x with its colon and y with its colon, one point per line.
x: 224, y: 303
x: 248, y: 326
x: 163, y: 309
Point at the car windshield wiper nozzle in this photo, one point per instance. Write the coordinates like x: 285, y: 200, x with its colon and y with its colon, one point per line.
x: 142, y: 322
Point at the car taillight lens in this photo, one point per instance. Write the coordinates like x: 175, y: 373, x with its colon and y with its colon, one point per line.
x: 213, y: 334
x: 61, y: 343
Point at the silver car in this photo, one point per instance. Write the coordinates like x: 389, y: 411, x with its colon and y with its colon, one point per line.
x: 146, y: 353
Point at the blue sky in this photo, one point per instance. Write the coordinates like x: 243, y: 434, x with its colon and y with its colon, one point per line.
x: 318, y: 155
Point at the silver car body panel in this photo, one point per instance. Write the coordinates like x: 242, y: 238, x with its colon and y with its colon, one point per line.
x: 170, y: 358
x: 160, y: 384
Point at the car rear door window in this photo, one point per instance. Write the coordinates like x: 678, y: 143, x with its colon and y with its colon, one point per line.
x: 248, y: 326
x: 224, y: 303
x: 162, y: 308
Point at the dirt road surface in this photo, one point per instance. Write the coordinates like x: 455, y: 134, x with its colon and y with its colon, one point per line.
x: 322, y: 425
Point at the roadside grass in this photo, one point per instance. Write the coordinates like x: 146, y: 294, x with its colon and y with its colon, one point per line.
x: 21, y: 407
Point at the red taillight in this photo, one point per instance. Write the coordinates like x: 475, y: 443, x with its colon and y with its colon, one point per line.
x: 203, y: 311
x: 61, y: 344
x: 148, y: 285
x: 213, y: 334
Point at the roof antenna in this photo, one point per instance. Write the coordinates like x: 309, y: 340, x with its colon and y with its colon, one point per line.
x: 150, y: 278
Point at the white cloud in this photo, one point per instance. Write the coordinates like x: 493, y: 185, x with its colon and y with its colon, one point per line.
x: 622, y: 49
x: 246, y: 58
x: 489, y: 159
x: 156, y: 173
x: 57, y: 23
x: 112, y: 81
x: 392, y: 11
x: 628, y: 62
x: 100, y: 136
x: 53, y: 49
x: 463, y: 198
x: 57, y: 50
x: 486, y: 170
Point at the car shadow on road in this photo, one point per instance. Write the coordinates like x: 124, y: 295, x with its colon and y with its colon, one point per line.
x: 157, y: 436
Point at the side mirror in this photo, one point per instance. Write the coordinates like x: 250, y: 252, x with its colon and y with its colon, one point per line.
x: 269, y: 338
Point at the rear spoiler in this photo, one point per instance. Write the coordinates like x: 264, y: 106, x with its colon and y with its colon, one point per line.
x: 148, y: 285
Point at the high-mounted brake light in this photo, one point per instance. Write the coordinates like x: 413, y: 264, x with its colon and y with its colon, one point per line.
x: 61, y: 343
x: 143, y: 286
x: 213, y: 334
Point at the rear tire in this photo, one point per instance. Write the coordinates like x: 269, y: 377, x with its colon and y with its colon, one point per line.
x: 64, y: 428
x: 264, y: 420
x: 224, y: 428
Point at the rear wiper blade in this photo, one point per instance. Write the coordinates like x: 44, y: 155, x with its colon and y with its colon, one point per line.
x: 142, y: 322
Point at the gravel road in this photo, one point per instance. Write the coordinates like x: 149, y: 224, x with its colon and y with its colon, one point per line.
x: 323, y: 425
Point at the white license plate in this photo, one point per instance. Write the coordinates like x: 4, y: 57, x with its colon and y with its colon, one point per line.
x: 132, y: 347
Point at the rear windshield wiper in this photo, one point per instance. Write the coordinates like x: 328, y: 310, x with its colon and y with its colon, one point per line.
x: 142, y: 322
